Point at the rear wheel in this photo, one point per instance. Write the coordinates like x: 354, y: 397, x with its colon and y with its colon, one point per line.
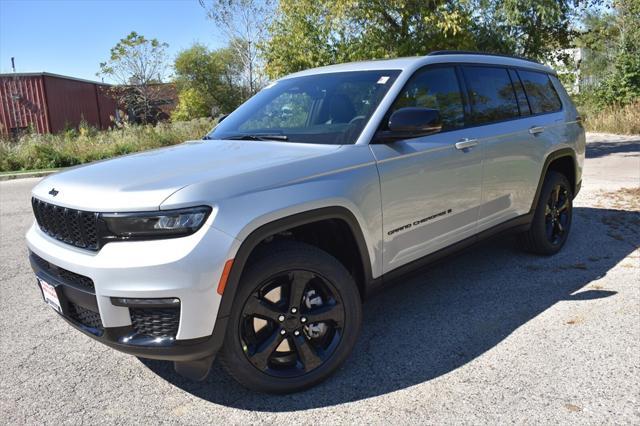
x: 552, y: 219
x: 295, y: 319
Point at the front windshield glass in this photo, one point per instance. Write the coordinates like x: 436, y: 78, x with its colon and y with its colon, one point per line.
x: 323, y: 108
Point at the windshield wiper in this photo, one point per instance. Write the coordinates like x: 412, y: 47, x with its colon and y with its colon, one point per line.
x: 258, y: 137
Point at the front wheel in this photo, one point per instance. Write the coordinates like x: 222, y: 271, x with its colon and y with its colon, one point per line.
x: 296, y: 318
x: 552, y: 218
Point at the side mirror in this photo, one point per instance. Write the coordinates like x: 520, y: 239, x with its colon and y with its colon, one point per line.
x: 222, y: 117
x: 411, y: 122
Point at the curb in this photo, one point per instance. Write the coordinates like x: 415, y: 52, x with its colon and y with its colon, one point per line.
x: 25, y: 175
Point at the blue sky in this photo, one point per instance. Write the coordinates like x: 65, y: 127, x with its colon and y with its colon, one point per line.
x: 72, y: 37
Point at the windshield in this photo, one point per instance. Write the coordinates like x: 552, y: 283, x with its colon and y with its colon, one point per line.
x: 323, y: 108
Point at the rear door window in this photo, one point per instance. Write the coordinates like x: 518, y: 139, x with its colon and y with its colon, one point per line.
x: 436, y: 88
x: 491, y: 93
x: 543, y: 97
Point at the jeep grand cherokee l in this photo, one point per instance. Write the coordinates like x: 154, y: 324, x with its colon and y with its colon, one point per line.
x: 260, y: 242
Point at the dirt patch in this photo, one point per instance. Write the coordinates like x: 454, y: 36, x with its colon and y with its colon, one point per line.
x: 622, y: 199
x: 574, y: 321
x: 622, y: 217
x: 573, y: 408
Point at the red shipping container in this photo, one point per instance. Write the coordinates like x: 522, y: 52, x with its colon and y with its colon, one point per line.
x: 50, y: 103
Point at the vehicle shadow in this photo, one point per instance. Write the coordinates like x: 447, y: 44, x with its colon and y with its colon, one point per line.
x: 601, y: 149
x: 448, y: 315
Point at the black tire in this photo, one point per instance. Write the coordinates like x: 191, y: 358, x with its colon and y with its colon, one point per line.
x: 552, y: 218
x: 285, y: 267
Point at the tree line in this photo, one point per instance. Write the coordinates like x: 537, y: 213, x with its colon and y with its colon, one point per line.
x: 267, y: 39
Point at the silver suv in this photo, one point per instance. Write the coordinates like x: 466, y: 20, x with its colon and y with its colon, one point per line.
x: 260, y: 242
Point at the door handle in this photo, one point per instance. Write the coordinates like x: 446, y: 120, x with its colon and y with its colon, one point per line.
x: 536, y: 129
x: 466, y: 143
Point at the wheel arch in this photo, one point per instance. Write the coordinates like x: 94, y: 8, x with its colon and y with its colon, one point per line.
x: 562, y: 160
x: 258, y: 235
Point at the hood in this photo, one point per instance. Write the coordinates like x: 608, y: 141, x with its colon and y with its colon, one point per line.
x: 143, y: 181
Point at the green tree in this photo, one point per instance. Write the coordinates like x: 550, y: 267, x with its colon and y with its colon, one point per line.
x: 137, y: 63
x: 208, y: 82
x: 191, y: 104
x: 599, y: 37
x: 621, y: 84
x: 536, y: 29
x: 308, y: 33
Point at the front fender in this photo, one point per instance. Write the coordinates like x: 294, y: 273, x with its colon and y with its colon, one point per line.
x: 282, y: 224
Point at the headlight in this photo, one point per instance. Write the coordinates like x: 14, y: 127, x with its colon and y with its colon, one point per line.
x: 160, y: 224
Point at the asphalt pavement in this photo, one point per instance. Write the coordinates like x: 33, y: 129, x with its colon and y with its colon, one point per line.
x: 490, y: 336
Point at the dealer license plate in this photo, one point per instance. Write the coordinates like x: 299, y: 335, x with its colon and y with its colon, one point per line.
x: 50, y: 295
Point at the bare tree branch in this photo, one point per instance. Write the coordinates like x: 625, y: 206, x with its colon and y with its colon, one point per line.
x: 244, y: 25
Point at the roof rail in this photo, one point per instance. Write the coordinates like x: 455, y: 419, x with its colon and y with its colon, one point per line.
x: 471, y: 52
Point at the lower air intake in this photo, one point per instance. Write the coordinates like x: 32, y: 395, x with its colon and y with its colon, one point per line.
x: 156, y: 322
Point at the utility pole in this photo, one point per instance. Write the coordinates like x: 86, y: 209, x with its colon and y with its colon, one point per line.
x: 15, y: 96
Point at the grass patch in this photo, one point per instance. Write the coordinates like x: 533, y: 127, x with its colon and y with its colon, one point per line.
x: 614, y: 119
x: 86, y: 144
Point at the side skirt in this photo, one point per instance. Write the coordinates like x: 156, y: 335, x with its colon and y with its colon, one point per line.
x: 515, y: 225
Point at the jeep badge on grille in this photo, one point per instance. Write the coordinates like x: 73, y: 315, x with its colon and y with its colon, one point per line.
x: 53, y: 192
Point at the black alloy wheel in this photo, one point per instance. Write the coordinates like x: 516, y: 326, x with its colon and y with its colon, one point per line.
x: 551, y: 222
x: 300, y: 321
x: 295, y: 319
x: 556, y: 214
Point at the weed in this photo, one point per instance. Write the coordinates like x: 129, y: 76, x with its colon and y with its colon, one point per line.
x: 614, y: 119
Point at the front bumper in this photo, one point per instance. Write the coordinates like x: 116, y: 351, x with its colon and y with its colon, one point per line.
x: 187, y: 269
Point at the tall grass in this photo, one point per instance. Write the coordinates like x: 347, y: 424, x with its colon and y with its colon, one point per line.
x: 614, y: 119
x: 34, y: 151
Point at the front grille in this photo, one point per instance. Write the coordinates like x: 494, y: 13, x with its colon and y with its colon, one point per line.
x: 156, y: 322
x: 85, y: 316
x: 75, y: 227
x: 67, y: 277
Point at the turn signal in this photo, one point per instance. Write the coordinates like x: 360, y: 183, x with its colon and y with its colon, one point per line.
x: 225, y: 276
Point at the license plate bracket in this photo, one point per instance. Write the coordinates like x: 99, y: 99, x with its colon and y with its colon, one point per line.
x: 50, y: 295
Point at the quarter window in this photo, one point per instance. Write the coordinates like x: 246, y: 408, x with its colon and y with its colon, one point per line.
x: 435, y: 88
x: 522, y: 98
x: 542, y: 95
x: 491, y: 93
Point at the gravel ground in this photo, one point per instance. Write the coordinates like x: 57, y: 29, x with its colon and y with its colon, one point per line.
x: 492, y: 335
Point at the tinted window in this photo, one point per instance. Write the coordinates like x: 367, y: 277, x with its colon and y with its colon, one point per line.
x: 330, y: 108
x: 491, y: 93
x: 435, y: 88
x: 541, y: 93
x: 287, y: 111
x: 523, y: 104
